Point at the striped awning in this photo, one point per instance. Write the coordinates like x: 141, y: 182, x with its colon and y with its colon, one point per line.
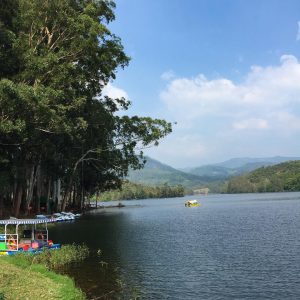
x: 26, y: 221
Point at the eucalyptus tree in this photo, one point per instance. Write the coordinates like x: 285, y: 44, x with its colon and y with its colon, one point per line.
x: 56, y: 57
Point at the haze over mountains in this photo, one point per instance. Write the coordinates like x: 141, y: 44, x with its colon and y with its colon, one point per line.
x: 157, y: 173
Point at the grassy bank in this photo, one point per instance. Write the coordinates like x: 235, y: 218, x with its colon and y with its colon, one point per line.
x: 29, y: 277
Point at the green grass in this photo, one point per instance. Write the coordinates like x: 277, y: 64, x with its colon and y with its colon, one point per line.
x: 28, y: 276
x: 34, y: 282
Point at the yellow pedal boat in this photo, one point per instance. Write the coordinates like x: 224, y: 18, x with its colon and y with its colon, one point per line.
x: 191, y: 203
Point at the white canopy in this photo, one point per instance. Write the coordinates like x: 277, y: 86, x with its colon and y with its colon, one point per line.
x: 192, y: 201
x: 26, y: 221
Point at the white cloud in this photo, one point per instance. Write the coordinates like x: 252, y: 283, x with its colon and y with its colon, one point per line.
x: 168, y: 75
x: 177, y: 149
x: 286, y: 120
x: 114, y: 92
x: 251, y: 124
x: 264, y: 90
x: 218, y: 116
x: 298, y: 33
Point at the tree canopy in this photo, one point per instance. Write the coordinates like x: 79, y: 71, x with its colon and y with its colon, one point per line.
x: 56, y: 126
x: 130, y: 190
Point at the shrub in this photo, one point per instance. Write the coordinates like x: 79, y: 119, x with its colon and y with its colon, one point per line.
x: 54, y: 259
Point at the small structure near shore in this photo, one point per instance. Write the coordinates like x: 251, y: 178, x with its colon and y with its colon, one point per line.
x: 32, y: 239
x: 203, y: 191
x: 93, y: 205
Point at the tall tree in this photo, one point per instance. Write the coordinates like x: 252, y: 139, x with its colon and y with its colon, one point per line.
x: 56, y: 57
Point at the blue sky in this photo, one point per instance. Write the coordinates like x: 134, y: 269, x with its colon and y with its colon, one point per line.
x: 226, y: 71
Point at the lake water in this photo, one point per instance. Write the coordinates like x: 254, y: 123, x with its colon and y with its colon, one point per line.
x: 231, y: 247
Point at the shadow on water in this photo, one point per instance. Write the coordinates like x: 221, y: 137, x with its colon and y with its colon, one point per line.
x: 99, y: 275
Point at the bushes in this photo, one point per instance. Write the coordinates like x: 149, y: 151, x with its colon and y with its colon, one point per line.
x: 53, y: 259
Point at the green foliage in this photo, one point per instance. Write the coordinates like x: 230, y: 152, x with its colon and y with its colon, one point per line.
x: 131, y: 191
x: 278, y: 178
x: 53, y: 259
x: 55, y: 59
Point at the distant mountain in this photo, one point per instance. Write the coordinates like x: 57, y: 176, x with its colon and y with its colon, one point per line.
x: 237, y: 166
x: 236, y: 163
x: 212, y: 171
x: 157, y: 173
x: 277, y: 178
x: 212, y: 176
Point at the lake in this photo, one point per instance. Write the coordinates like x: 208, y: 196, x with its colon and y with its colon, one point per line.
x: 232, y: 247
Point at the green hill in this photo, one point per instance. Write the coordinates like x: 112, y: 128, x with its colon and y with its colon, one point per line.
x: 236, y: 163
x: 278, y: 178
x: 213, y: 172
x: 236, y: 166
x: 214, y: 177
x: 156, y: 173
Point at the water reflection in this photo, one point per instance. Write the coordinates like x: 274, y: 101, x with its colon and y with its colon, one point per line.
x: 99, y: 275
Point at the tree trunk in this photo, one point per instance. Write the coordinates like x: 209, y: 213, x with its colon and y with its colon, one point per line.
x: 97, y: 196
x: 39, y: 182
x: 48, y: 196
x: 18, y: 199
x: 74, y: 204
x: 70, y: 183
x: 1, y: 206
x: 30, y: 188
x: 56, y: 195
x: 67, y: 193
x: 82, y: 198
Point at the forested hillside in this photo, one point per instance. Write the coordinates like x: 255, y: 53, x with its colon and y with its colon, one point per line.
x: 156, y: 173
x: 215, y: 177
x: 236, y: 166
x: 278, y: 178
x: 131, y: 190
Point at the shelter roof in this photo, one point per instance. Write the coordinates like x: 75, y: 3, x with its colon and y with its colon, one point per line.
x: 26, y: 221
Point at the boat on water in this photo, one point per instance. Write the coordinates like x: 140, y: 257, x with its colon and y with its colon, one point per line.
x: 33, y: 237
x: 191, y: 203
x: 60, y: 217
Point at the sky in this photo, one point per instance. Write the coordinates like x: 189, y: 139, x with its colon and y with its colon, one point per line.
x: 226, y: 73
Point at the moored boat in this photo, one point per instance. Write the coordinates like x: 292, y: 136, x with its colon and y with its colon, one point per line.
x: 65, y: 216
